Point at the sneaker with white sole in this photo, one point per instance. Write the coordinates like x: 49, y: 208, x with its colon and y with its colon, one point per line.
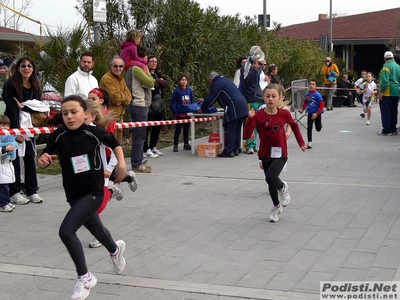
x: 250, y: 151
x: 150, y: 154
x: 133, y: 184
x: 142, y: 169
x: 19, y: 199
x: 158, y: 152
x: 35, y: 198
x: 7, y: 208
x: 95, y: 244
x: 309, y: 145
x: 118, y: 260
x: 12, y: 205
x: 284, y: 196
x: 275, y: 212
x: 83, y: 286
x: 116, y: 191
x: 368, y: 122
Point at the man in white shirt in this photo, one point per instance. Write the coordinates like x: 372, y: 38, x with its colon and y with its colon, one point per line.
x: 82, y: 81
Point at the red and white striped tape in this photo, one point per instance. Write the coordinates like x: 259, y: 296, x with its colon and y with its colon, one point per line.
x: 44, y: 130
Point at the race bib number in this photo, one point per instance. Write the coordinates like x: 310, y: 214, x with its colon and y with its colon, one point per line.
x: 276, y: 152
x: 80, y: 163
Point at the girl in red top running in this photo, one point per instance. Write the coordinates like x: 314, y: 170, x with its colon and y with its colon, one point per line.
x: 273, y: 154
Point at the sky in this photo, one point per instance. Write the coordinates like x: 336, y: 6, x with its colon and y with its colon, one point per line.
x: 61, y: 13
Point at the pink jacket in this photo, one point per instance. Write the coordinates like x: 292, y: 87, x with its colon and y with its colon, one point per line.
x: 130, y: 56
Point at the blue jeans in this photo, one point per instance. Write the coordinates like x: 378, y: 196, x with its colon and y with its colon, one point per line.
x: 138, y: 114
x: 389, y: 112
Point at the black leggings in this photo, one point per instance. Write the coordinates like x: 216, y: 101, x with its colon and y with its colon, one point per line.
x: 318, y: 125
x: 272, y: 168
x: 84, y: 212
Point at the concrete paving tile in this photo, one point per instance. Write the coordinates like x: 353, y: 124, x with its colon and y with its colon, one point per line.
x: 387, y: 256
x: 359, y: 260
x: 372, y: 240
x: 352, y: 233
x: 346, y: 274
x: 310, y: 282
x: 322, y: 240
x: 380, y: 274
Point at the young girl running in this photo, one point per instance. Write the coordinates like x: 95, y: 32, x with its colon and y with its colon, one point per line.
x: 99, y: 115
x: 181, y: 98
x: 273, y: 154
x: 77, y: 146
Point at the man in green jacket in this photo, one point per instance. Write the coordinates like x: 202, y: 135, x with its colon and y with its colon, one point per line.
x: 389, y: 94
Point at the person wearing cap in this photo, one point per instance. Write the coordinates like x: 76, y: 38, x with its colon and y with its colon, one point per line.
x: 250, y: 86
x: 389, y: 94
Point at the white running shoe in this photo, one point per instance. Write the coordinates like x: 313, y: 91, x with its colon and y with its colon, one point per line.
x: 284, y: 196
x: 309, y: 145
x: 368, y: 122
x: 150, y: 154
x: 118, y: 260
x: 83, y: 286
x: 19, y: 199
x: 116, y: 191
x: 95, y: 243
x: 133, y: 185
x: 158, y: 152
x: 7, y: 208
x: 35, y: 198
x: 275, y: 212
x: 250, y: 151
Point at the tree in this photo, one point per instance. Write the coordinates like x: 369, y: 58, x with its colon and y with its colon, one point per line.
x: 117, y: 21
x: 11, y: 19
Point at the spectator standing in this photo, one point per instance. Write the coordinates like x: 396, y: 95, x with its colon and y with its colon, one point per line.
x: 250, y: 87
x: 139, y: 83
x: 389, y: 94
x: 160, y: 83
x: 273, y: 153
x: 239, y: 63
x: 23, y: 85
x: 272, y: 73
x: 314, y: 104
x: 82, y: 81
x: 121, y: 96
x: 223, y: 91
x: 181, y: 98
x: 330, y: 72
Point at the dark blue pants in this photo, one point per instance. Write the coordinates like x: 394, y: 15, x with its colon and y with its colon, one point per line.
x: 4, y: 194
x: 389, y: 112
x: 232, y: 135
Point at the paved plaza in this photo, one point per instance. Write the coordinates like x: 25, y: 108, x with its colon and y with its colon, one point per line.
x: 198, y: 228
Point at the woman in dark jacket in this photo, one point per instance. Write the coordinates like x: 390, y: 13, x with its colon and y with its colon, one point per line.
x: 23, y: 85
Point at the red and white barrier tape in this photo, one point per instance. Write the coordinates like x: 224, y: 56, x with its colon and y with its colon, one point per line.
x: 44, y: 130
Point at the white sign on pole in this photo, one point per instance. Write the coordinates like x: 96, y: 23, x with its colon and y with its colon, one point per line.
x: 99, y: 11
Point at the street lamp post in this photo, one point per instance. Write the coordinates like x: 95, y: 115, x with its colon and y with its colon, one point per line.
x: 330, y: 28
x: 265, y: 14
